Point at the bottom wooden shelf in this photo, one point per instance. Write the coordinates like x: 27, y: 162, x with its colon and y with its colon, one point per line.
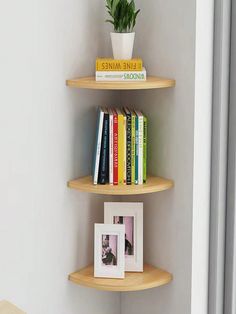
x: 150, y: 278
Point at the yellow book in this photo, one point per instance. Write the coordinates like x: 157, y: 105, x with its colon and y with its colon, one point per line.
x: 120, y: 146
x: 103, y: 64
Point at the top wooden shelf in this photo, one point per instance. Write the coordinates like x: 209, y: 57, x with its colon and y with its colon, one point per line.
x: 152, y: 82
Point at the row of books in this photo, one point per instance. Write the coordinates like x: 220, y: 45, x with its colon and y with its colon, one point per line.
x: 120, y: 155
x: 120, y: 70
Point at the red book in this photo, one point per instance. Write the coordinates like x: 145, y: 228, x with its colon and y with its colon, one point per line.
x: 115, y: 148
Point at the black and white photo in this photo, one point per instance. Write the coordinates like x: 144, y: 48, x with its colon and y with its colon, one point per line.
x: 109, y: 246
x: 131, y: 216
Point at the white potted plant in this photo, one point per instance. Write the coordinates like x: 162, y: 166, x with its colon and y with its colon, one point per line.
x: 123, y: 18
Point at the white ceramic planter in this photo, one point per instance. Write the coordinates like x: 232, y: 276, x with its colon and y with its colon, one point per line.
x: 122, y: 45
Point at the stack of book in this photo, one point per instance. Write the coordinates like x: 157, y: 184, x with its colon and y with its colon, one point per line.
x: 120, y: 70
x: 120, y: 155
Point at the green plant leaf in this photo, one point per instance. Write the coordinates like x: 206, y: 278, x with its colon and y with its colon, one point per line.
x: 113, y: 6
x: 110, y: 21
x: 123, y: 14
x: 135, y: 16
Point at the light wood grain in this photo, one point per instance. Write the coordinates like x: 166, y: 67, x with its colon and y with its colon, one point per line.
x: 154, y: 184
x: 150, y: 278
x: 8, y: 308
x: 152, y: 82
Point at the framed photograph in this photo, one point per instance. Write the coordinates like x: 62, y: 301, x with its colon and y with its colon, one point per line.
x: 109, y: 246
x: 131, y: 216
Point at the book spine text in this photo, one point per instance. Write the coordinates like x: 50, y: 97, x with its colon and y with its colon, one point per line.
x: 115, y: 149
x: 133, y: 148
x: 121, y: 76
x: 119, y: 65
x: 111, y: 147
x: 140, y: 151
x: 128, y: 148
x: 120, y: 148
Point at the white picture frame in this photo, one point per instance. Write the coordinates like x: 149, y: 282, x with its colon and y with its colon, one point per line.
x: 109, y: 246
x: 113, y: 210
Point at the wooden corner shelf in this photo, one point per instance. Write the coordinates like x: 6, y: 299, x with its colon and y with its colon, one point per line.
x: 152, y: 82
x: 9, y: 308
x: 150, y: 278
x: 154, y: 184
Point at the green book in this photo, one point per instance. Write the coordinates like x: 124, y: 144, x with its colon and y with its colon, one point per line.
x: 136, y: 148
x: 144, y: 149
x: 133, y: 118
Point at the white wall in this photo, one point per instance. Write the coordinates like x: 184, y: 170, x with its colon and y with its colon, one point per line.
x: 46, y: 138
x: 179, y: 135
x: 46, y: 230
x: 166, y: 41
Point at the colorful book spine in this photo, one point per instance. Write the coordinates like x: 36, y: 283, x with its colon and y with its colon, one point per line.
x: 125, y: 148
x: 103, y: 64
x: 121, y: 76
x: 103, y: 176
x: 97, y: 152
x: 120, y: 155
x: 115, y: 148
x: 133, y: 118
x: 136, y: 148
x: 145, y: 135
x: 120, y: 147
x: 128, y: 146
x: 140, y: 147
x: 111, y: 141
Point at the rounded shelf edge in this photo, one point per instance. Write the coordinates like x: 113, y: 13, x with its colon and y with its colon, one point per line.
x: 151, y: 277
x: 153, y: 185
x: 152, y: 82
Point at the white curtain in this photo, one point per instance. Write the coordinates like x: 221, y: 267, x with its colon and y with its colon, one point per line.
x: 222, y: 276
x: 230, y: 253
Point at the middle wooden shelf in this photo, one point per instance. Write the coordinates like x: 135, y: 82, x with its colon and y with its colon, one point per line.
x: 153, y: 184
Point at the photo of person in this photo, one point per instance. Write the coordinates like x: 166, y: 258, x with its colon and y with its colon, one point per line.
x: 109, y: 250
x: 128, y: 221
